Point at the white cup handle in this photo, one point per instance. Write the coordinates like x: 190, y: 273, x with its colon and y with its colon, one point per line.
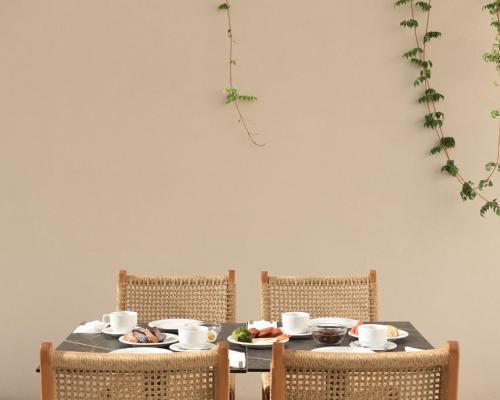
x: 105, y: 319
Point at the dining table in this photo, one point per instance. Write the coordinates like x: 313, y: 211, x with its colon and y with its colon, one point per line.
x: 257, y: 359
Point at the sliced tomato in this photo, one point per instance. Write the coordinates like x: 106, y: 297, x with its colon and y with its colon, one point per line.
x: 354, y: 330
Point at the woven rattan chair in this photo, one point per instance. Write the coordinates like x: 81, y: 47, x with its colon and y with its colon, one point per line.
x: 209, y: 299
x: 353, y: 297
x: 97, y: 376
x: 425, y: 375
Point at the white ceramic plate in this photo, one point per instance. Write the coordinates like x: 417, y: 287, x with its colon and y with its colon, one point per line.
x: 402, y: 334
x: 171, y: 338
x: 179, y: 347
x: 388, y: 346
x: 342, y: 349
x: 141, y: 350
x: 346, y: 322
x: 173, y: 324
x: 109, y: 331
x: 257, y: 342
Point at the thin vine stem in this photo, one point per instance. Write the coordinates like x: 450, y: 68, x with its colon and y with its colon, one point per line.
x: 431, y: 104
x: 251, y: 135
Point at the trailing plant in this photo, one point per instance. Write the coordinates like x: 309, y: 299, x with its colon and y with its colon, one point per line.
x: 419, y: 23
x: 232, y: 94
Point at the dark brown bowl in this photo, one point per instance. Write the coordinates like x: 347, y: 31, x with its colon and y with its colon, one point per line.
x: 328, y: 335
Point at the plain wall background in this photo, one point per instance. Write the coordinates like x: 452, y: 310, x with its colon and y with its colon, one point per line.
x: 116, y: 149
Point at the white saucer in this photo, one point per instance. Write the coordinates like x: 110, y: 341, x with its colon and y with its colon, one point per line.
x: 293, y: 335
x: 402, y: 334
x: 387, y: 346
x: 141, y: 350
x: 179, y: 347
x: 342, y: 349
x: 109, y: 331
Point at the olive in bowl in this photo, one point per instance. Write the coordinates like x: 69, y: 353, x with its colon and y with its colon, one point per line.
x: 328, y: 335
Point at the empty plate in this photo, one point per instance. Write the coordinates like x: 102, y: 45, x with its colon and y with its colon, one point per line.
x: 173, y: 324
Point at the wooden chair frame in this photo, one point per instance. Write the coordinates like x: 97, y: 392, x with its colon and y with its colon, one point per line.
x: 48, y: 385
x: 278, y: 378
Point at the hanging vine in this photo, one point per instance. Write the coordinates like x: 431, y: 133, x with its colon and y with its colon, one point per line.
x: 420, y: 12
x: 232, y: 94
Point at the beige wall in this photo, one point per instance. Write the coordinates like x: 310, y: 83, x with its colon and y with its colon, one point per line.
x: 116, y: 149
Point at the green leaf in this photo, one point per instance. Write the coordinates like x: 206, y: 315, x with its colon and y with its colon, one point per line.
x: 423, y: 6
x: 231, y: 95
x: 431, y: 35
x: 433, y: 120
x: 247, y: 98
x: 401, y: 2
x: 489, y: 166
x: 223, y: 6
x: 484, y: 183
x: 448, y: 142
x: 409, y: 23
x: 490, y: 205
x: 467, y: 192
x: 450, y: 168
x: 495, y: 113
x: 412, y: 53
x: 436, y: 150
x: 430, y: 96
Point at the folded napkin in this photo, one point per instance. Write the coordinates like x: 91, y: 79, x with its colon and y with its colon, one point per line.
x: 90, y: 327
x: 262, y: 324
x: 236, y: 359
x: 411, y: 349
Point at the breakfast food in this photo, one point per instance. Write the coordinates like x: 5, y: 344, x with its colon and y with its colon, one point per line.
x: 242, y: 335
x: 247, y: 335
x: 143, y: 335
x: 328, y: 334
x: 354, y: 329
x: 392, y: 331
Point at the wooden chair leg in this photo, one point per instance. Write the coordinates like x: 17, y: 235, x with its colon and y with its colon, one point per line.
x: 46, y: 373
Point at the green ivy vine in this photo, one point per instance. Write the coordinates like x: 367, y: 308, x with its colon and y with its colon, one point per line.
x: 419, y: 23
x: 232, y: 94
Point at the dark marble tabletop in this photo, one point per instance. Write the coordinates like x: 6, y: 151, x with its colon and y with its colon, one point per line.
x: 258, y: 360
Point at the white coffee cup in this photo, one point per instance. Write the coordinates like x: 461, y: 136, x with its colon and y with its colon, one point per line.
x: 193, y: 336
x: 372, y: 335
x: 295, y: 322
x: 121, y: 321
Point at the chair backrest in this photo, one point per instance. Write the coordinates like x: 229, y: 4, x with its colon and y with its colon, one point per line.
x: 350, y: 297
x: 98, y: 376
x: 209, y: 299
x: 425, y: 375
